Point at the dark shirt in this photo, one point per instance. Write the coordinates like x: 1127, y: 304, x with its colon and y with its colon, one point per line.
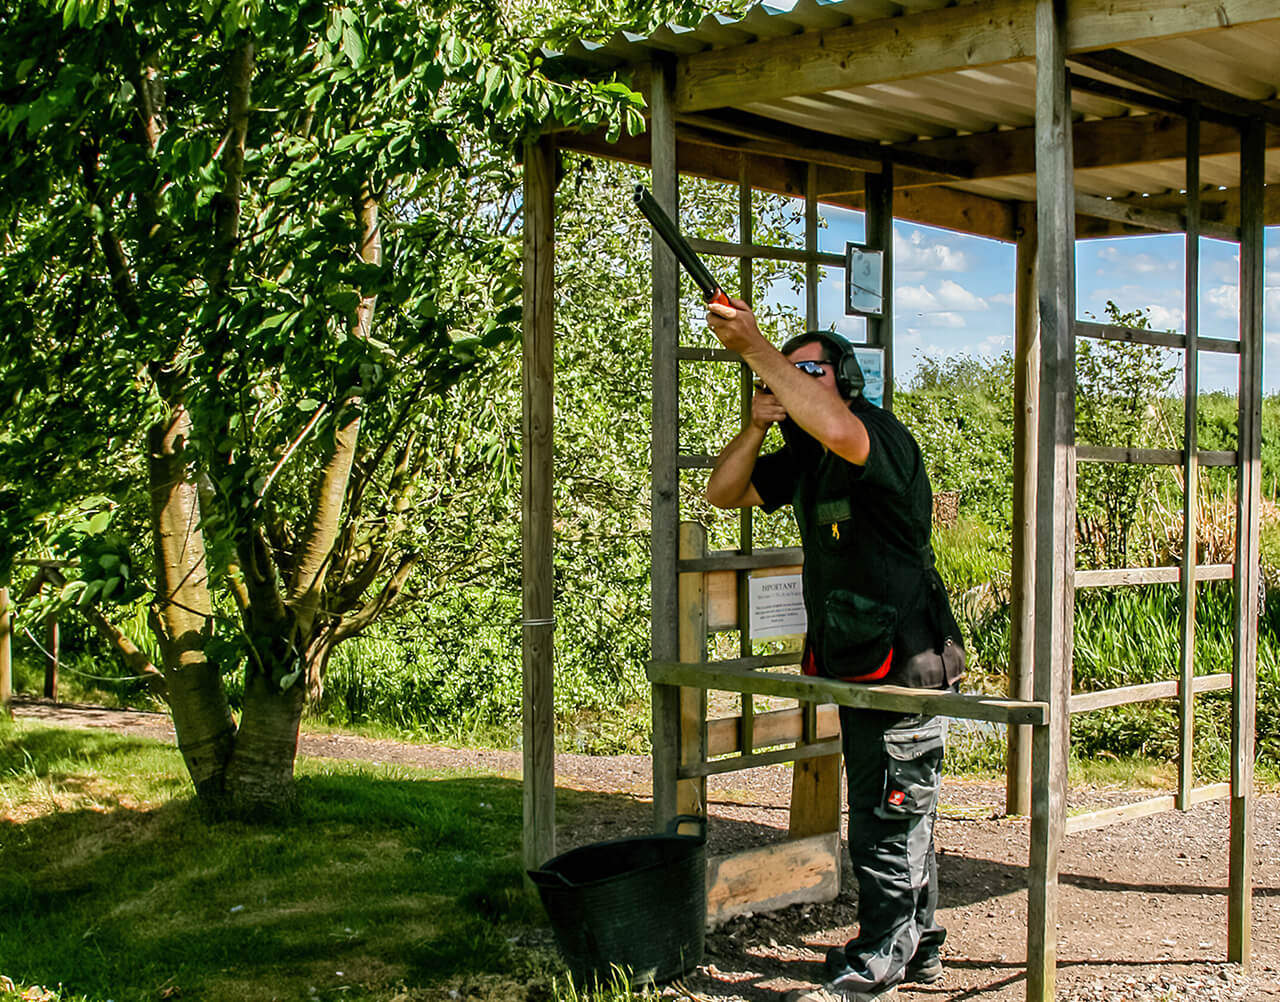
x: 864, y: 529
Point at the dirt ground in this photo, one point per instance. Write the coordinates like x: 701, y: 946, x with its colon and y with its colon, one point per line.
x: 1142, y: 904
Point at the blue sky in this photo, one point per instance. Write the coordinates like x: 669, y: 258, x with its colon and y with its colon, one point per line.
x: 954, y: 293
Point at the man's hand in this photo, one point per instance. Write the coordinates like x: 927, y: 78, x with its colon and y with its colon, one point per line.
x: 734, y: 325
x: 766, y: 410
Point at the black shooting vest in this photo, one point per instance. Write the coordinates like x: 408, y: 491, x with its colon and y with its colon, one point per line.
x: 877, y: 610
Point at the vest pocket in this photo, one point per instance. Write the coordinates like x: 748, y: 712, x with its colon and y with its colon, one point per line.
x: 857, y: 636
x: 913, y: 769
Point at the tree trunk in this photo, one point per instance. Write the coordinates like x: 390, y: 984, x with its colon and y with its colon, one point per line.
x: 260, y: 774
x: 183, y: 610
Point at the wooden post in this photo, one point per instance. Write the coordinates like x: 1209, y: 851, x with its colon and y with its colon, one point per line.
x: 52, y: 651
x: 538, y: 372
x: 1026, y: 404
x: 815, y: 782
x: 665, y: 497
x: 691, y: 794
x: 879, y: 189
x: 746, y: 519
x: 1248, y: 502
x: 1055, y: 491
x: 1190, y: 468
x: 6, y: 655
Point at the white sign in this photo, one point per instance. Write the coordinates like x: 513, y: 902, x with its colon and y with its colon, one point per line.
x: 871, y: 362
x: 777, y: 606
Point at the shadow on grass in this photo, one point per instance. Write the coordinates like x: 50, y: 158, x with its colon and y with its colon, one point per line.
x: 382, y: 878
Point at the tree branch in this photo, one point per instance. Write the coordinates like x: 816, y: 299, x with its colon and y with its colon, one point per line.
x: 227, y: 202
x: 353, y: 625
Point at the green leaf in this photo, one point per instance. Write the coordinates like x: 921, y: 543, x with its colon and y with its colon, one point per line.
x: 24, y: 67
x: 352, y: 45
x: 98, y: 524
x: 279, y: 186
x: 307, y: 405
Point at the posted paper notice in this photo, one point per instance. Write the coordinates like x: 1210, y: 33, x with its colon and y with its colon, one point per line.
x: 777, y: 606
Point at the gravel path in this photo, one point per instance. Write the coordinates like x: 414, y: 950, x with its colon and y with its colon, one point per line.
x: 1142, y: 904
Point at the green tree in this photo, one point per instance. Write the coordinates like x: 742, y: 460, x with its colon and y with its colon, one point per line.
x: 1118, y: 390
x: 251, y: 245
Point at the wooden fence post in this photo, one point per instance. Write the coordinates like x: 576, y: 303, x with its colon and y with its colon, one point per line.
x: 6, y: 655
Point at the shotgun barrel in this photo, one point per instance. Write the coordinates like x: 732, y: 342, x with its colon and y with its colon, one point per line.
x: 665, y: 228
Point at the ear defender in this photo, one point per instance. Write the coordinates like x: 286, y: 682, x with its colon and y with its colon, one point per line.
x: 849, y: 378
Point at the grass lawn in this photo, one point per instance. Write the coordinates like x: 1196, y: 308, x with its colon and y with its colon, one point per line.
x: 388, y: 884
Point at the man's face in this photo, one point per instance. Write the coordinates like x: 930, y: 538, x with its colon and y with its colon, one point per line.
x: 813, y: 353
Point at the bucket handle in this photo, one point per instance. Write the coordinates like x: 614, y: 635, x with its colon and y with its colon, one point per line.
x: 550, y: 878
x: 673, y: 826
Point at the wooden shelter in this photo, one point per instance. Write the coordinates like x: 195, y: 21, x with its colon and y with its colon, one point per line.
x: 1029, y: 121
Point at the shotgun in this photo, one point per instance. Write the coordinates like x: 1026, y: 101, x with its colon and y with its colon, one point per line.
x: 665, y: 228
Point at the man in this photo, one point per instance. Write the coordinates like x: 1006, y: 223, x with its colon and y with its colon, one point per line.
x: 877, y: 612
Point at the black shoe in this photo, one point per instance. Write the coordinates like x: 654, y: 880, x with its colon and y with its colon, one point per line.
x: 923, y: 970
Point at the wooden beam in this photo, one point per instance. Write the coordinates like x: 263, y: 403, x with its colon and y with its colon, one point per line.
x: 942, y: 207
x: 664, y: 495
x: 932, y: 42
x: 1153, y: 76
x: 1248, y: 503
x: 1111, y: 142
x: 810, y: 688
x: 1026, y: 392
x: 811, y: 145
x: 773, y: 876
x: 538, y: 373
x: 1055, y: 487
x: 776, y: 727
x: 1190, y: 468
x: 691, y: 794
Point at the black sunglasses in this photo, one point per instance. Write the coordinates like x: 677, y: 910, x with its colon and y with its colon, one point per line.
x: 811, y: 367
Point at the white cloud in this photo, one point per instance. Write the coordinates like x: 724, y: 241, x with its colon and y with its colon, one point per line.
x: 913, y: 253
x: 1165, y: 318
x: 946, y: 297
x: 1143, y: 264
x: 1225, y: 299
x: 995, y: 345
x: 948, y: 319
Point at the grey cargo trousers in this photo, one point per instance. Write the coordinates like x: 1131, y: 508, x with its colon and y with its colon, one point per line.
x: 893, y: 765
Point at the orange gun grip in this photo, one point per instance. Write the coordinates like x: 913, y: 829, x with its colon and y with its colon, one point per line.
x: 720, y: 298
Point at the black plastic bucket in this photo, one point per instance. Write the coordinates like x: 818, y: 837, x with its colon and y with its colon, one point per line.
x: 638, y: 904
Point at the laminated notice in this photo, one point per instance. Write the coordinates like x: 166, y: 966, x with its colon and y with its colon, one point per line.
x: 777, y: 606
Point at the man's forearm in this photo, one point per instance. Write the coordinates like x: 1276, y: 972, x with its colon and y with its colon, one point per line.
x: 730, y: 483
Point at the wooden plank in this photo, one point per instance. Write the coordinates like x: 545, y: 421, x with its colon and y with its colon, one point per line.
x: 1248, y: 504
x: 724, y: 248
x: 1149, y: 457
x: 1084, y: 702
x: 1144, y: 808
x: 1113, y: 576
x: 1190, y: 469
x: 1162, y: 339
x: 1100, y: 144
x: 930, y: 42
x: 715, y: 675
x: 811, y: 247
x: 724, y: 734
x: 664, y: 495
x: 1155, y: 220
x: 1026, y: 392
x: 943, y: 207
x: 51, y: 655
x: 691, y: 794
x: 788, y: 557
x: 722, y: 600
x: 1055, y: 489
x: 815, y: 794
x: 6, y: 654
x: 799, y: 871
x: 689, y: 354
x: 1145, y: 73
x: 736, y: 763
x: 538, y: 377
x: 1115, y: 815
